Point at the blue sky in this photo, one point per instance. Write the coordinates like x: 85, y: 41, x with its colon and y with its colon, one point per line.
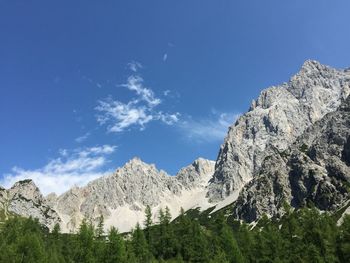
x: 86, y: 85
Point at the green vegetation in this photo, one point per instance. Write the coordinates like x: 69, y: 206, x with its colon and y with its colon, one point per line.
x: 301, y: 236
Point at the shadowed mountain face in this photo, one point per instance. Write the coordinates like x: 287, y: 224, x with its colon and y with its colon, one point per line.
x: 274, y: 121
x: 292, y: 146
x: 315, y: 169
x: 25, y: 199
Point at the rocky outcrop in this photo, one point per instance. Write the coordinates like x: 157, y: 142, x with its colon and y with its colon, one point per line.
x: 314, y: 170
x: 25, y: 199
x: 273, y: 122
x: 122, y: 197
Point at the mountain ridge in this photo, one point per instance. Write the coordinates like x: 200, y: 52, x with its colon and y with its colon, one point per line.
x: 275, y: 121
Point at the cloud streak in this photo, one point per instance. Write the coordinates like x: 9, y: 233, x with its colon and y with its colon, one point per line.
x: 134, y: 66
x: 211, y: 129
x: 71, y: 168
x: 83, y: 138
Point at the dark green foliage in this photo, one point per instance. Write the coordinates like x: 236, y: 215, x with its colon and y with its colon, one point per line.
x: 85, y: 244
x: 300, y: 236
x: 115, y: 250
x: 139, y: 246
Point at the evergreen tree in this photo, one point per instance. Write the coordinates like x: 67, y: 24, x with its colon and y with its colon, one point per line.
x: 344, y: 240
x: 148, y: 228
x: 115, y: 248
x: 85, y: 243
x: 227, y: 241
x: 167, y: 244
x: 139, y: 245
x: 100, y: 227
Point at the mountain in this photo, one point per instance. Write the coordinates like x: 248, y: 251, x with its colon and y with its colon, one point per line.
x: 275, y: 119
x: 314, y: 170
x: 291, y: 147
x: 24, y: 198
x: 123, y: 196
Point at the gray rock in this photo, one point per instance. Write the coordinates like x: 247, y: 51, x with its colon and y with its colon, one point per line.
x: 134, y: 186
x: 24, y: 198
x: 314, y: 170
x: 274, y: 121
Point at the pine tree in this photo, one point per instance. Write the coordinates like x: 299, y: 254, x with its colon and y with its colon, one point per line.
x: 167, y: 245
x: 85, y: 246
x: 139, y: 245
x: 115, y: 248
x: 148, y: 228
x: 227, y: 241
x: 344, y: 240
x: 100, y: 227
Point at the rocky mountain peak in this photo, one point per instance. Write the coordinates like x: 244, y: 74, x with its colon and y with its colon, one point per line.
x: 276, y: 118
x: 197, y: 173
x: 136, y: 167
x: 24, y: 198
x: 310, y: 65
x: 26, y: 189
x: 314, y: 169
x: 203, y: 166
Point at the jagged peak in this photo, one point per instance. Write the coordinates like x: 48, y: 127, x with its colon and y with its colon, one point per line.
x: 136, y: 161
x: 200, y: 162
x: 139, y: 167
x: 24, y: 183
x: 311, y: 67
x: 311, y: 64
x: 201, y: 166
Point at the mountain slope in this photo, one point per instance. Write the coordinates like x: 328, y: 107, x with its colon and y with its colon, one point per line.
x: 123, y: 196
x: 25, y: 199
x: 274, y: 121
x: 315, y: 169
x: 292, y: 146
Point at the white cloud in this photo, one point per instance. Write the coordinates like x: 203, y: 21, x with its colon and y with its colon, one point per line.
x: 169, y: 119
x: 135, y: 83
x: 135, y: 66
x: 211, y: 129
x: 77, y: 167
x: 121, y: 116
x: 140, y: 110
x: 165, y: 57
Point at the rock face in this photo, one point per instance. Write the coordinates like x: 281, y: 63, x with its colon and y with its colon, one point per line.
x: 274, y: 121
x: 122, y: 197
x: 25, y: 199
x: 292, y: 146
x: 315, y: 169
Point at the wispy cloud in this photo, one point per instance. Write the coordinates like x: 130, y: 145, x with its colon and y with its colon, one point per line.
x: 134, y: 66
x: 211, y: 129
x: 165, y: 57
x: 166, y: 92
x: 82, y: 138
x: 140, y: 110
x: 71, y: 168
x: 135, y: 83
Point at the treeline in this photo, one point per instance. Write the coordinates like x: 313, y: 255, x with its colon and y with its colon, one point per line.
x: 302, y: 236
